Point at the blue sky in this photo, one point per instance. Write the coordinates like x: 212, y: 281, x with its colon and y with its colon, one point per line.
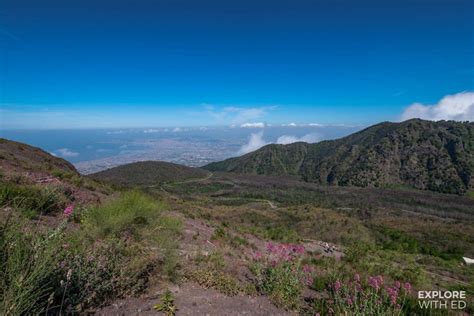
x: 85, y: 64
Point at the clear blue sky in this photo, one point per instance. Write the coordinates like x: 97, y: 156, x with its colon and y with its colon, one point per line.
x: 176, y: 63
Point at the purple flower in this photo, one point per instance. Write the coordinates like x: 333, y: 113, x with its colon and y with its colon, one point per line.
x: 407, y: 286
x: 68, y: 210
x: 357, y: 277
x: 308, y: 269
x: 337, y: 285
x: 380, y: 279
x: 299, y: 249
x: 374, y: 283
x: 257, y: 255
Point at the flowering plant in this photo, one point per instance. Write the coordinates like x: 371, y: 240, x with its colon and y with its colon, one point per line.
x: 281, y: 274
x: 373, y: 297
x: 68, y: 211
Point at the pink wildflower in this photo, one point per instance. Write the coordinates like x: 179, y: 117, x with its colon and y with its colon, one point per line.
x: 397, y: 284
x: 374, y: 283
x: 393, y: 299
x: 337, y: 285
x: 308, y: 269
x: 407, y: 286
x: 68, y: 210
x: 299, y: 249
x: 380, y: 279
x: 269, y: 247
x: 357, y: 277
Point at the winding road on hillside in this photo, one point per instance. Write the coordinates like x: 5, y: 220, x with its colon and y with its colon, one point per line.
x: 208, y: 177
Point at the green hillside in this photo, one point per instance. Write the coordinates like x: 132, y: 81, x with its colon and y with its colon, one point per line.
x: 437, y: 156
x: 16, y: 156
x: 147, y: 173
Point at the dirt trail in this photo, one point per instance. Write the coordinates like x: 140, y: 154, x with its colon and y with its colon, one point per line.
x: 191, y: 298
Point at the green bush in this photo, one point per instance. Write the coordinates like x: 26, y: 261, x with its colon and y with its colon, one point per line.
x: 65, y: 271
x: 280, y: 273
x: 98, y: 272
x: 32, y: 200
x: 138, y: 216
x: 210, y: 274
x: 28, y: 270
x: 222, y: 233
x: 126, y: 214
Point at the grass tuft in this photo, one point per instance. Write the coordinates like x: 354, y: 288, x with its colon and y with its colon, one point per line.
x: 127, y: 214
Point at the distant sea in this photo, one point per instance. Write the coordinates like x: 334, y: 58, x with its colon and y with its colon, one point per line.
x: 92, y: 150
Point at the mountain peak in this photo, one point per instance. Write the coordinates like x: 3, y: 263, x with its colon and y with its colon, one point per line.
x: 437, y: 156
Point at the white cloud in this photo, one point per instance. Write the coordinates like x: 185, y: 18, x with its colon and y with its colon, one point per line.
x: 253, y: 125
x: 458, y: 107
x: 65, y: 152
x: 308, y: 138
x: 256, y: 141
x: 290, y: 124
x: 115, y: 132
x: 177, y: 129
x: 237, y: 115
x: 315, y: 124
x: 150, y: 130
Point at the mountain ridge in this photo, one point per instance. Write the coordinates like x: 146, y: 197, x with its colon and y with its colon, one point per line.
x: 147, y: 173
x: 437, y: 156
x: 23, y: 157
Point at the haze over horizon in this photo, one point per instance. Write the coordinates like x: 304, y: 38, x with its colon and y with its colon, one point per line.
x: 114, y: 64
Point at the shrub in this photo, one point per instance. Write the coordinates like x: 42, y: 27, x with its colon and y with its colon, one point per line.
x: 28, y: 274
x: 52, y: 271
x: 31, y: 200
x: 372, y: 297
x: 59, y: 271
x: 210, y: 274
x: 164, y: 237
x: 135, y: 215
x: 126, y: 214
x: 222, y: 233
x: 218, y: 280
x: 105, y: 270
x: 281, y: 274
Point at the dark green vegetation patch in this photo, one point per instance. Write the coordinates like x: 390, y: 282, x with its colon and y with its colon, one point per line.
x: 436, y: 156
